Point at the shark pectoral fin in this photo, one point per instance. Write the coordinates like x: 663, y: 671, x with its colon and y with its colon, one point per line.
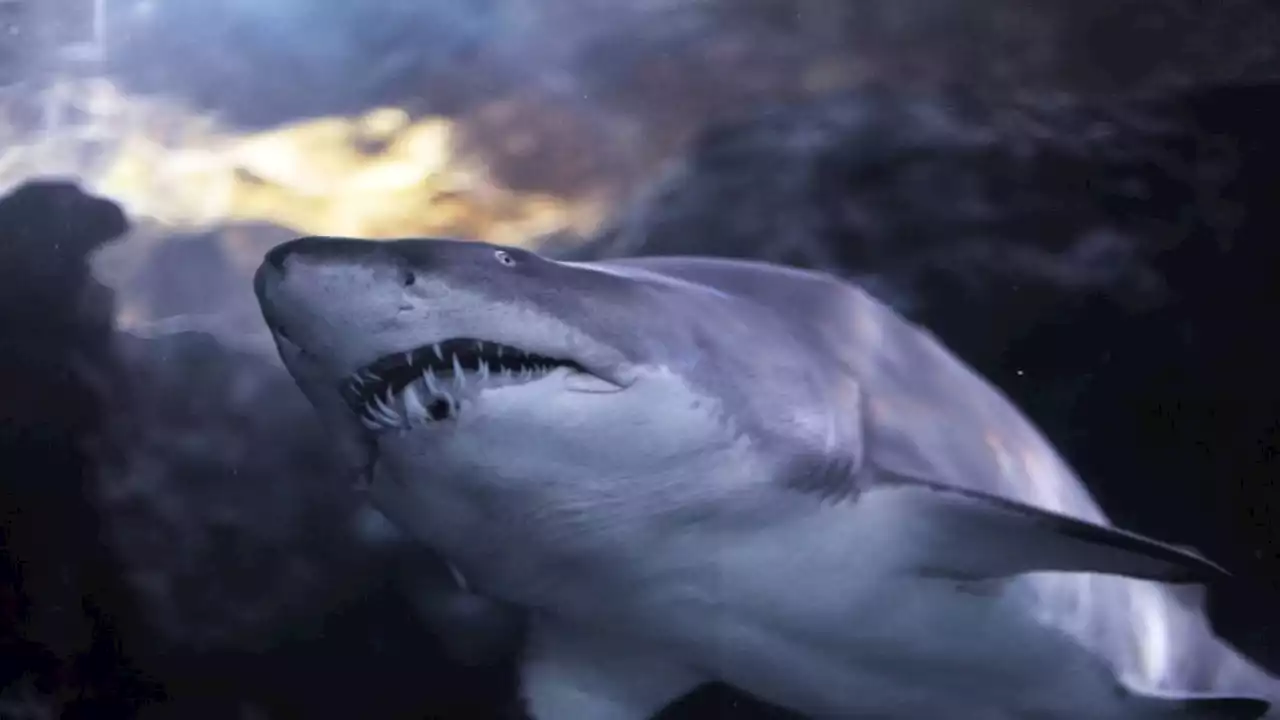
x: 569, y: 673
x: 971, y: 535
x: 1152, y: 707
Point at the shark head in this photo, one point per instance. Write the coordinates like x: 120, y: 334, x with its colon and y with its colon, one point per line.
x: 489, y: 360
x: 412, y: 334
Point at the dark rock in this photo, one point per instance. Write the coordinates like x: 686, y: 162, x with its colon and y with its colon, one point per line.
x: 222, y: 499
x: 938, y: 200
x: 67, y: 607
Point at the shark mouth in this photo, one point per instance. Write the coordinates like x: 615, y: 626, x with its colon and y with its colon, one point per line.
x: 425, y: 385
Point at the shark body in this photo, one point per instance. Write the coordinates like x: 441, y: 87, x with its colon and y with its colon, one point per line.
x: 688, y: 470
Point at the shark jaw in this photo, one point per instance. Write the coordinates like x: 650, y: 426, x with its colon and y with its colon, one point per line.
x: 432, y: 384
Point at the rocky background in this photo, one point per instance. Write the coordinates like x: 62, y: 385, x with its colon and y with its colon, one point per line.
x: 1093, y: 230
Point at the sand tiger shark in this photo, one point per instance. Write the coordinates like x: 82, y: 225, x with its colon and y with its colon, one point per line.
x: 689, y: 470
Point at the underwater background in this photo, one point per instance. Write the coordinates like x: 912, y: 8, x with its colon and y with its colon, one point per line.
x: 1080, y: 200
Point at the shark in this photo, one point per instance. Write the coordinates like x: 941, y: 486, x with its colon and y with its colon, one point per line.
x: 688, y: 470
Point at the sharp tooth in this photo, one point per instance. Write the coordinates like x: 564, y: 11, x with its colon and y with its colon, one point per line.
x: 384, y: 412
x: 413, y: 406
x: 458, y: 376
x: 408, y: 358
x: 429, y: 377
x: 383, y: 417
x: 483, y: 368
x: 480, y: 345
x: 370, y: 416
x: 439, y: 352
x: 500, y: 348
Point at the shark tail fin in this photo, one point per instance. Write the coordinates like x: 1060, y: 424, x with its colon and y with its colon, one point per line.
x: 1202, y: 708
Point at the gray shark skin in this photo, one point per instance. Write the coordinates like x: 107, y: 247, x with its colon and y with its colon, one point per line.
x: 689, y: 470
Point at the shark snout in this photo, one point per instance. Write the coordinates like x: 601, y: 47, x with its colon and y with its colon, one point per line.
x: 319, y: 249
x: 267, y: 282
x: 275, y: 264
x: 297, y: 262
x: 276, y: 256
x: 266, y: 285
x: 272, y: 275
x: 339, y: 301
x: 263, y: 279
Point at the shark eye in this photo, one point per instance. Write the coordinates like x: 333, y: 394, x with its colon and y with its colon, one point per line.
x: 504, y: 257
x: 409, y: 278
